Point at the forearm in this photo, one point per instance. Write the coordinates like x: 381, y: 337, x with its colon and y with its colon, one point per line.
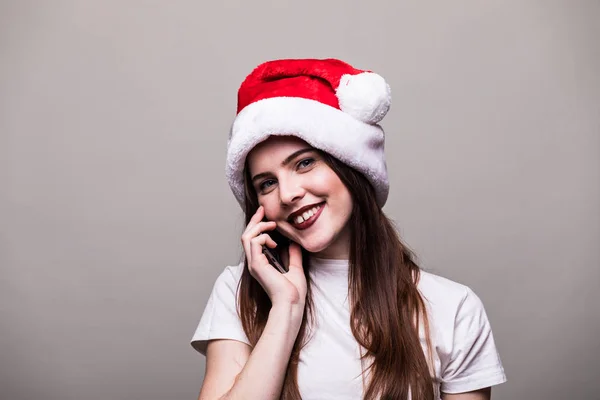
x: 263, y: 374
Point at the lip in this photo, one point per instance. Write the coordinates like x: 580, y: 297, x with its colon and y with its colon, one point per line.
x: 309, y: 222
x: 300, y: 211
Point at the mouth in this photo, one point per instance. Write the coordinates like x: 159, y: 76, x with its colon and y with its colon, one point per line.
x: 306, y: 216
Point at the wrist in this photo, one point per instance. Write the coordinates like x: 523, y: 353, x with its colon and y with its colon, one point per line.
x: 292, y: 309
x: 287, y: 316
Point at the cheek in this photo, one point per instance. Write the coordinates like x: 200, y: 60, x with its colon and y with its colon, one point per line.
x: 325, y: 181
x: 271, y: 209
x: 331, y: 183
x: 341, y: 196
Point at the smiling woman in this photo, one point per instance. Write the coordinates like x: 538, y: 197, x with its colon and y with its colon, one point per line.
x: 298, y: 191
x: 354, y: 316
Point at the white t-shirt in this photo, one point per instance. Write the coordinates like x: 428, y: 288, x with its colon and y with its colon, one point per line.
x: 465, y: 355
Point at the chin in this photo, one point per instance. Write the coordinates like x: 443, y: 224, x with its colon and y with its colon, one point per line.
x: 315, y: 245
x: 314, y: 248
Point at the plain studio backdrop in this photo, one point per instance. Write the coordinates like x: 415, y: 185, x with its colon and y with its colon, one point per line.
x: 116, y: 218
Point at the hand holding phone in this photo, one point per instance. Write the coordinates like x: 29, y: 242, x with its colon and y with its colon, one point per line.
x: 267, y: 251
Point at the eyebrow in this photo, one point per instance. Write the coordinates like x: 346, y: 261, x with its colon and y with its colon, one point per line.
x: 285, y: 162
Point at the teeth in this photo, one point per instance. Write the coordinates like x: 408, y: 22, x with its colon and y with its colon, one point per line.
x: 306, y: 215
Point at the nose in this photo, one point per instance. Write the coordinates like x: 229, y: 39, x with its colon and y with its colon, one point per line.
x: 290, y: 191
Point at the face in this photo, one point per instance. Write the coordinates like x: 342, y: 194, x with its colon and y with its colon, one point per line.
x: 302, y: 194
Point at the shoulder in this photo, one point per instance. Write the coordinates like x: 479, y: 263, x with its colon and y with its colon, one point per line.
x: 461, y: 334
x: 233, y: 272
x: 227, y: 282
x: 447, y: 300
x: 438, y: 290
x: 230, y: 276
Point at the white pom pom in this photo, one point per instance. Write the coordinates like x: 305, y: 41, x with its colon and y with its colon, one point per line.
x: 365, y: 96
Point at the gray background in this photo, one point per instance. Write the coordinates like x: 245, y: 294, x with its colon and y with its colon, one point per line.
x: 115, y: 216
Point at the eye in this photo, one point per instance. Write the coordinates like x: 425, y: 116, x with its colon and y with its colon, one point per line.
x: 305, y: 163
x: 266, y: 184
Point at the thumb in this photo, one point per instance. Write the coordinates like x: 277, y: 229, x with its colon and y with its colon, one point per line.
x: 295, y: 253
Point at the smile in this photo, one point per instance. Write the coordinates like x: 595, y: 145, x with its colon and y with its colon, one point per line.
x: 305, y: 218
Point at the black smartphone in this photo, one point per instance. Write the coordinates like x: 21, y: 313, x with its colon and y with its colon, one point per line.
x: 273, y: 260
x: 274, y: 256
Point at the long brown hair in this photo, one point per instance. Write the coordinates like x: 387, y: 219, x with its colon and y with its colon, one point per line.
x: 386, y: 309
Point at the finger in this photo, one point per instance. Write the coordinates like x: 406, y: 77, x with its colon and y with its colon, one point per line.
x: 258, y: 258
x: 253, y: 231
x: 270, y: 243
x: 295, y: 255
x: 266, y: 274
x: 256, y: 218
x: 257, y: 229
x: 258, y: 215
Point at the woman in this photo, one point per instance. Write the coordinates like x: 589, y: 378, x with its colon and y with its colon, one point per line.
x: 353, y: 317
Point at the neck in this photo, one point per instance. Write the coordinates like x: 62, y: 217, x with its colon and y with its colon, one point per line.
x: 338, y: 250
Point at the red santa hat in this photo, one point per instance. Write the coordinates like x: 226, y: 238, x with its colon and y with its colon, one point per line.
x: 327, y: 103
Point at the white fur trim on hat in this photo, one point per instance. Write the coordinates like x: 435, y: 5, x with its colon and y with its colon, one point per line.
x: 355, y: 143
x: 365, y: 96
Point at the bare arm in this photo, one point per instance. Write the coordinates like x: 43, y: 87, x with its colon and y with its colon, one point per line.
x: 482, y: 394
x: 233, y: 372
x: 224, y: 361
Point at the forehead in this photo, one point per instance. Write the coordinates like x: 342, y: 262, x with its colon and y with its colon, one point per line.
x: 273, y: 151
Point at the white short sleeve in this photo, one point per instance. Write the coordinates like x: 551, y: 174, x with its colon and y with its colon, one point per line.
x: 473, y: 362
x: 220, y: 319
